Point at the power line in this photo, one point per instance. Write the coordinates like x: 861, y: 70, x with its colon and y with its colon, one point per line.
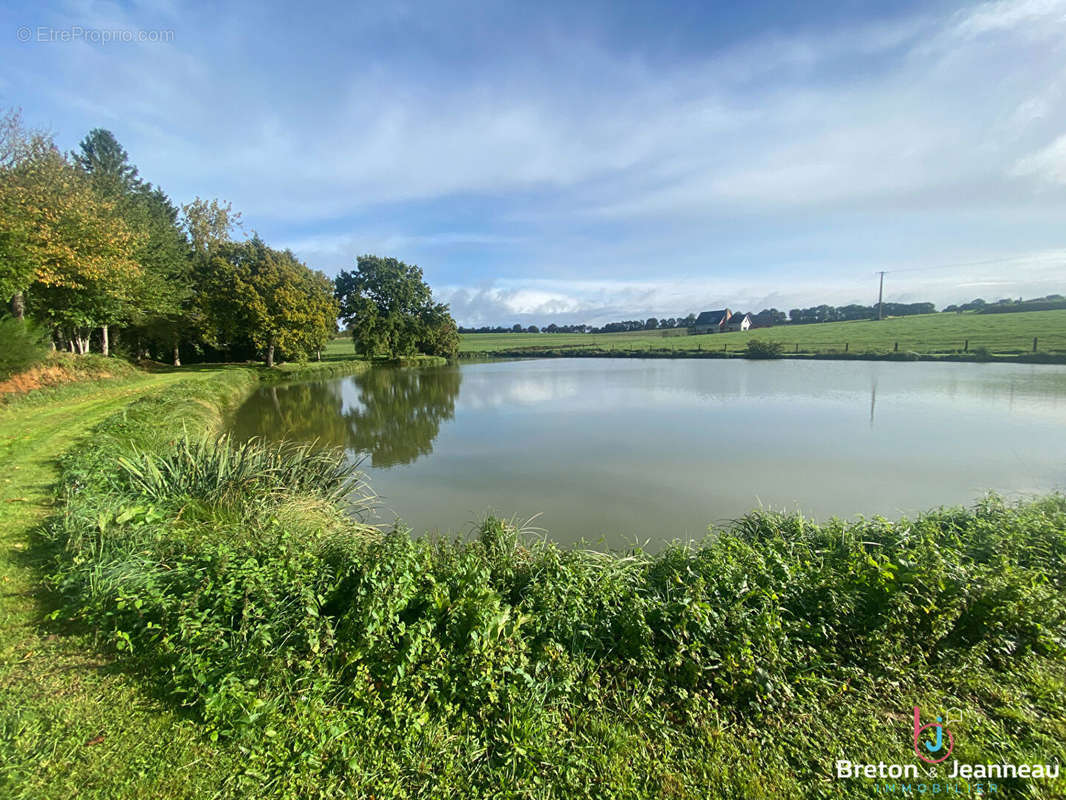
x: 965, y: 264
x: 987, y: 262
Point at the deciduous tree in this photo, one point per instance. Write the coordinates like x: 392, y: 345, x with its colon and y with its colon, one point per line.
x: 390, y: 310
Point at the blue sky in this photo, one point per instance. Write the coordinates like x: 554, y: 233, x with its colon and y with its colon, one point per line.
x: 594, y: 161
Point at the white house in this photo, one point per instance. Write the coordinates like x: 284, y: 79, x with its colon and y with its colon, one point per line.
x: 737, y: 322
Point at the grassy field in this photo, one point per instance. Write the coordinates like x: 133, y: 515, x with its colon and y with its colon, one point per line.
x: 929, y: 333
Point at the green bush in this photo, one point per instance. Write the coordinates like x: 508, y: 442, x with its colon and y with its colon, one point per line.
x: 761, y: 348
x: 22, y: 345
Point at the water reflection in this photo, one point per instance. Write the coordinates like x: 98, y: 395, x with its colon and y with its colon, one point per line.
x: 400, y: 412
x: 391, y: 414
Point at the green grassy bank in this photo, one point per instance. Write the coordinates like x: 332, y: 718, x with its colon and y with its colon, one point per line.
x: 72, y: 722
x: 961, y: 335
x: 293, y: 652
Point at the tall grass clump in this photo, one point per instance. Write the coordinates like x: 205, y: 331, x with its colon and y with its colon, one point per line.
x: 345, y: 660
x: 218, y: 470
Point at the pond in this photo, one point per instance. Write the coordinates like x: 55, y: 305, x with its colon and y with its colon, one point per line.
x: 615, y: 451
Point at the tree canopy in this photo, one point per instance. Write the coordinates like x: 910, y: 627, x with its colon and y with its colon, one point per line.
x: 89, y: 249
x: 270, y: 298
x: 390, y: 310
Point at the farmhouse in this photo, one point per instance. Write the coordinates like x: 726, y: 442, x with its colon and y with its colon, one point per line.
x: 737, y: 322
x: 711, y: 321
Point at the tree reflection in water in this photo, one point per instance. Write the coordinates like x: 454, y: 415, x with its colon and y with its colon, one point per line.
x: 396, y: 420
x: 401, y: 411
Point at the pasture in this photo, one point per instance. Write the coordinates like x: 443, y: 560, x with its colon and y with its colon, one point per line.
x: 999, y: 334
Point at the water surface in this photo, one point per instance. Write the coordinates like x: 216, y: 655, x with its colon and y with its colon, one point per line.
x: 620, y: 450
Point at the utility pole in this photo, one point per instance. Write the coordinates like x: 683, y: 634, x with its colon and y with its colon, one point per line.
x: 880, y: 296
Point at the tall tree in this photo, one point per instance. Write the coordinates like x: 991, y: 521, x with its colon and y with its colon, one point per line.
x: 20, y: 150
x: 165, y: 311
x: 101, y: 156
x: 209, y: 225
x: 69, y: 242
x: 271, y: 298
x: 389, y: 309
x: 156, y: 301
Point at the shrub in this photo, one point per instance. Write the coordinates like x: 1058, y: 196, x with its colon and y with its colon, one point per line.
x: 22, y: 345
x: 762, y: 348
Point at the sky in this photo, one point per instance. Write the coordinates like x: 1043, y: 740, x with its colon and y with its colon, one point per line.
x: 592, y: 161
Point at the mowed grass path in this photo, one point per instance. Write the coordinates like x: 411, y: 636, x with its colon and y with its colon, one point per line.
x: 71, y: 724
x: 926, y: 333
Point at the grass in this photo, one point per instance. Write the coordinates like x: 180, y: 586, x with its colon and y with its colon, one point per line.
x: 1004, y: 334
x: 71, y: 724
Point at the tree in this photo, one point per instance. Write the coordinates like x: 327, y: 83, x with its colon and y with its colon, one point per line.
x: 101, y: 156
x: 271, y: 298
x: 389, y: 309
x: 165, y: 310
x: 440, y: 336
x: 64, y: 242
x: 161, y: 293
x: 20, y: 149
x: 209, y: 225
x: 651, y: 323
x: 320, y: 313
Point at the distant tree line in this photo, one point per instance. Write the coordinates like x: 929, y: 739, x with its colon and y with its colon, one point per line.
x: 1008, y: 305
x: 100, y: 259
x: 824, y: 313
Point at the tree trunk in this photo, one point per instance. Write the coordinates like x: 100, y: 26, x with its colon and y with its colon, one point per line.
x: 18, y: 306
x: 105, y: 345
x: 318, y: 354
x: 177, y: 355
x: 270, y: 354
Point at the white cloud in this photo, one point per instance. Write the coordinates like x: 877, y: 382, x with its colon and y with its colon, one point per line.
x: 1010, y: 14
x: 1047, y: 164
